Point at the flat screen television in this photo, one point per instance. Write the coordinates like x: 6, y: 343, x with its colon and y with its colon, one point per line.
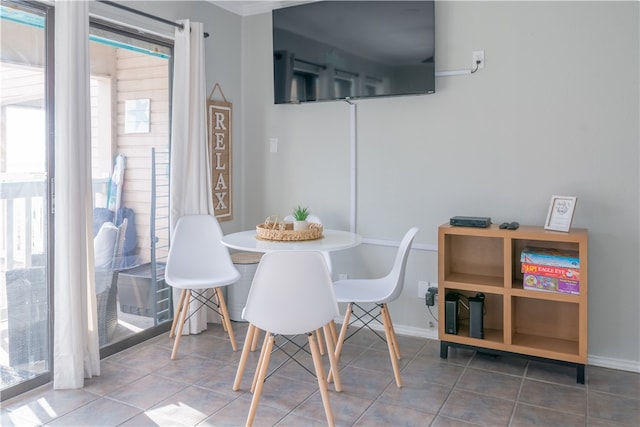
x: 331, y: 50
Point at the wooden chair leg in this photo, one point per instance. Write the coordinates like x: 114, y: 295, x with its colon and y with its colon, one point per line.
x: 243, y: 357
x: 322, y: 382
x: 319, y: 340
x: 221, y: 314
x: 341, y: 337
x: 343, y: 330
x: 261, y: 373
x: 267, y: 338
x: 394, y: 338
x: 254, y: 342
x: 392, y: 351
x: 226, y: 321
x: 334, y: 332
x: 176, y: 316
x: 333, y: 363
x: 183, y: 318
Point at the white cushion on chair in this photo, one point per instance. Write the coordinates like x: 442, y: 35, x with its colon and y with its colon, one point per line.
x: 103, y: 245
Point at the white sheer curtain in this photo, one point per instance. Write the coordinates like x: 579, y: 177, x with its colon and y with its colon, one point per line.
x: 190, y: 185
x: 76, y: 353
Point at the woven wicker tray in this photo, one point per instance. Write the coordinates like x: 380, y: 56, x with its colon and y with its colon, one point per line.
x: 283, y: 231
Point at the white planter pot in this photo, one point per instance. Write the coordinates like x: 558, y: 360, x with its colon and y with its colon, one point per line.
x: 300, y: 225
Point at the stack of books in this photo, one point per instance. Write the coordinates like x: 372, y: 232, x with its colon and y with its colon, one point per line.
x: 552, y: 270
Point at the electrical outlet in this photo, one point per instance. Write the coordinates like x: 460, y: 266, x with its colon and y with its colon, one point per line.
x: 273, y: 145
x: 423, y: 288
x: 343, y: 276
x: 477, y: 60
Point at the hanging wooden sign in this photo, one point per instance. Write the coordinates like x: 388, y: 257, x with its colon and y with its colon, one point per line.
x: 219, y: 138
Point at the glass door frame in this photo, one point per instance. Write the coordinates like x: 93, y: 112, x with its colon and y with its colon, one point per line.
x: 47, y: 12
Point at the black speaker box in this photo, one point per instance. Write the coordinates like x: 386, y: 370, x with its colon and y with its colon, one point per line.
x: 451, y: 313
x: 476, y: 312
x: 470, y: 221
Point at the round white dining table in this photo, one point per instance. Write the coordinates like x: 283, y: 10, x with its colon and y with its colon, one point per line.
x: 331, y: 240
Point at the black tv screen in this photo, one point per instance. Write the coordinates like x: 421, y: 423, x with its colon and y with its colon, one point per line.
x: 330, y: 50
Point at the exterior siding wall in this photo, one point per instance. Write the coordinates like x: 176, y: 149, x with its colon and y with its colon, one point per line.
x: 141, y: 76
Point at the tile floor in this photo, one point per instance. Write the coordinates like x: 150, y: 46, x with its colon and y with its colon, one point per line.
x: 143, y: 387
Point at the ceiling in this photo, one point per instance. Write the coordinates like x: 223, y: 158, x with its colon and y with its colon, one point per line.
x: 246, y: 8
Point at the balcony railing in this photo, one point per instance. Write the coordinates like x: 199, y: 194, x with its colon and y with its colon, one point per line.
x: 23, y: 218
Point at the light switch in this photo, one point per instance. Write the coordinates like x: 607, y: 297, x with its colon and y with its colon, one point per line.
x: 273, y: 145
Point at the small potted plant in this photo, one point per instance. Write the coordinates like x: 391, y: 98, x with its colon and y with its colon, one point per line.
x: 300, y: 215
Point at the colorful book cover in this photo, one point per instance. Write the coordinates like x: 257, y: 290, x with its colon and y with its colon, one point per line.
x: 553, y: 284
x: 551, y: 271
x: 552, y: 257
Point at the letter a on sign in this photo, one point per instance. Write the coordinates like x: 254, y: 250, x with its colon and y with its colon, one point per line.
x: 219, y: 140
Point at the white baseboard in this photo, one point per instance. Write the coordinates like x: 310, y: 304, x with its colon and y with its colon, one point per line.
x: 429, y: 333
x: 400, y: 329
x: 619, y: 364
x: 603, y: 362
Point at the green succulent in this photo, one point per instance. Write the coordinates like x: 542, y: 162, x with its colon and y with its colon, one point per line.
x: 300, y: 213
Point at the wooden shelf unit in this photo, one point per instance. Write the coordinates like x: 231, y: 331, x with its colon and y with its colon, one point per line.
x: 531, y: 323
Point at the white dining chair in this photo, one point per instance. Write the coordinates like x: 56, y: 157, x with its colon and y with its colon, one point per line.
x: 291, y: 294
x: 327, y: 257
x: 379, y: 291
x: 197, y: 262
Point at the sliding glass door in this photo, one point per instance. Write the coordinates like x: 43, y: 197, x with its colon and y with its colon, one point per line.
x: 25, y: 118
x: 130, y: 88
x: 130, y: 118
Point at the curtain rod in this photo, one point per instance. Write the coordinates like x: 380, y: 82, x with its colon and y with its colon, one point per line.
x: 145, y: 14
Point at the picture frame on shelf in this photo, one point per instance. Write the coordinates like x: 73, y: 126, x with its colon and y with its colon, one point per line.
x: 560, y: 213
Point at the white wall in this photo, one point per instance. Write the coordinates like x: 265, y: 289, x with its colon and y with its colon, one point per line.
x: 555, y: 111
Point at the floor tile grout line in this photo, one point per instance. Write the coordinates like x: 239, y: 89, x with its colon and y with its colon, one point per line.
x: 384, y: 389
x: 492, y: 371
x: 373, y: 401
x: 546, y: 408
x: 589, y: 391
x: 236, y: 398
x: 49, y: 387
x: 543, y: 381
x: 140, y: 411
x: 453, y: 387
x: 75, y: 409
x: 517, y: 399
